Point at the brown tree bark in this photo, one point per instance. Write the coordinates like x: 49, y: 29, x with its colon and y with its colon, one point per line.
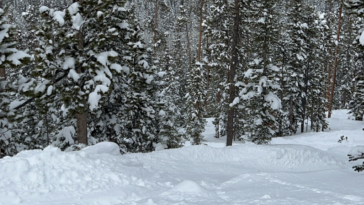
x: 82, y: 115
x: 2, y: 74
x: 82, y: 128
x: 335, y: 64
x: 234, y: 63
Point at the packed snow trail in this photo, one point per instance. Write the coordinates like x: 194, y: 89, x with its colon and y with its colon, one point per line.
x: 308, y: 168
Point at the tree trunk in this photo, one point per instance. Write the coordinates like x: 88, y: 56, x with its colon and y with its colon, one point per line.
x: 81, y: 116
x: 234, y: 62
x: 2, y: 74
x: 188, y: 47
x: 329, y: 81
x: 155, y: 23
x: 207, y: 81
x: 291, y: 113
x: 82, y: 127
x: 200, y: 34
x: 2, y: 79
x: 335, y: 65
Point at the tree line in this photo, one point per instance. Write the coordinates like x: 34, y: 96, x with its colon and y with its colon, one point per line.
x: 145, y: 74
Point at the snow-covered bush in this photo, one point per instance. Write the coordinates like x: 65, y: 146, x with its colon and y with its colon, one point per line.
x: 357, y: 153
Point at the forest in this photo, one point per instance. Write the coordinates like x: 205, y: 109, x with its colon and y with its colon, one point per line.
x: 146, y: 74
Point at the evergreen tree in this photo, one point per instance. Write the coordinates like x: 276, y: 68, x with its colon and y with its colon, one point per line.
x: 170, y: 113
x: 195, y: 99
x: 139, y: 127
x: 259, y: 85
x: 75, y: 58
x: 218, y: 31
x: 10, y: 57
x: 357, y: 104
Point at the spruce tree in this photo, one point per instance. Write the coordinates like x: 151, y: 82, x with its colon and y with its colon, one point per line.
x: 195, y: 98
x: 259, y: 85
x: 10, y: 58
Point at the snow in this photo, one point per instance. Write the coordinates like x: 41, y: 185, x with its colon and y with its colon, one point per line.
x: 307, y: 168
x: 235, y: 102
x: 274, y: 100
x: 74, y: 75
x: 4, y: 31
x: 357, y: 151
x: 361, y: 39
x: 17, y: 56
x: 73, y: 8
x: 69, y: 63
x: 43, y: 9
x: 59, y: 17
x: 77, y: 21
x: 49, y: 90
x: 15, y: 104
x: 95, y: 96
x: 103, y: 148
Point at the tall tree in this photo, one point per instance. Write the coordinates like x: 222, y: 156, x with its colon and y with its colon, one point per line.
x: 259, y: 85
x: 232, y: 72
x: 10, y: 57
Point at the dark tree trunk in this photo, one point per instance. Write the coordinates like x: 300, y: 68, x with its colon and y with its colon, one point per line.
x: 335, y: 65
x: 82, y: 128
x: 82, y: 115
x: 188, y: 47
x: 234, y: 62
x: 200, y: 33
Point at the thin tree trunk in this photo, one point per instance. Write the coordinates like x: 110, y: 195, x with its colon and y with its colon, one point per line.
x: 82, y: 116
x: 188, y: 47
x: 2, y: 79
x: 234, y: 62
x: 82, y: 127
x: 282, y: 94
x: 207, y: 80
x: 47, y: 128
x: 291, y: 113
x: 155, y: 23
x: 329, y: 80
x: 200, y: 34
x: 2, y: 74
x: 335, y: 65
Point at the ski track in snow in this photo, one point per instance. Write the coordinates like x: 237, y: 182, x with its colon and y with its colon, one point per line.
x: 305, y: 169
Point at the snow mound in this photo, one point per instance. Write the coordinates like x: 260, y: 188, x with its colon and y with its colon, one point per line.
x: 275, y: 157
x: 52, y: 170
x: 189, y: 186
x: 189, y: 191
x: 103, y: 148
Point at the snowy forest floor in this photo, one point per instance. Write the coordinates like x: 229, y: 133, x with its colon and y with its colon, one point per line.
x: 308, y: 168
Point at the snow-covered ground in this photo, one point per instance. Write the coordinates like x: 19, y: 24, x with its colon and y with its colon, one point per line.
x: 308, y: 168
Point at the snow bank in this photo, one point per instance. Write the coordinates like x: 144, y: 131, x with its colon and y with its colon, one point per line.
x: 52, y: 170
x: 103, y: 148
x: 274, y: 157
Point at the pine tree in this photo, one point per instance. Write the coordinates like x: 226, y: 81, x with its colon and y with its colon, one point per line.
x: 357, y: 104
x: 195, y: 99
x: 10, y: 57
x: 218, y: 31
x: 76, y: 59
x: 259, y: 84
x: 170, y: 113
x: 139, y: 127
x: 296, y: 81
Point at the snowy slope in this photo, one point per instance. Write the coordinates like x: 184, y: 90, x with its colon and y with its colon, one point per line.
x: 309, y: 168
